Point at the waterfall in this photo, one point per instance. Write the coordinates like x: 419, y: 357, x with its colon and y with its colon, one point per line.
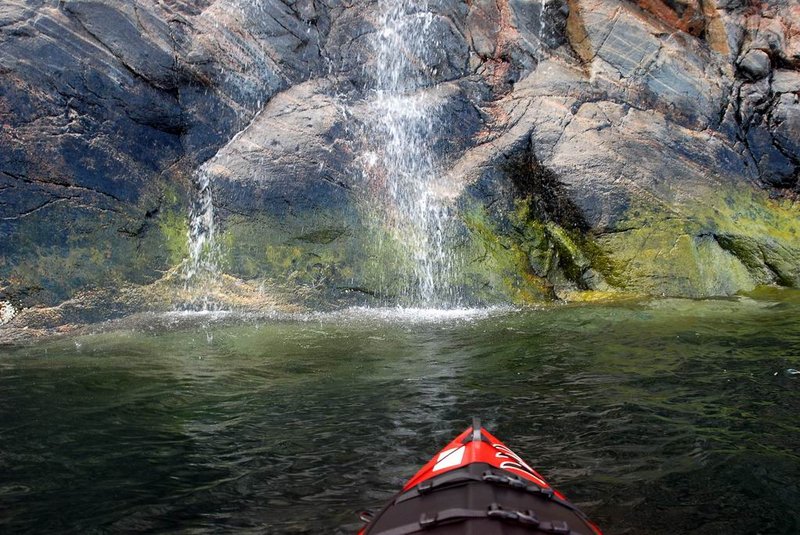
x: 415, y: 209
x: 202, y: 267
x: 542, y: 27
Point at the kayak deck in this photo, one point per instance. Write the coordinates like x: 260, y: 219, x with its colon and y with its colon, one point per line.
x: 477, y: 485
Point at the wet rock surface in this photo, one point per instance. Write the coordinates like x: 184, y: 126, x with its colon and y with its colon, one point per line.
x: 661, y: 141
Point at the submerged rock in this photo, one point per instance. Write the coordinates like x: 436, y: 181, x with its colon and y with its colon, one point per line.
x: 596, y: 144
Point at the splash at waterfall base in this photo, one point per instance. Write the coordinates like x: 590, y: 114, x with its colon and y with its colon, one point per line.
x: 573, y: 167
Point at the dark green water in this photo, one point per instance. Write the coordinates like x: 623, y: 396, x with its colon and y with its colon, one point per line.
x: 656, y: 417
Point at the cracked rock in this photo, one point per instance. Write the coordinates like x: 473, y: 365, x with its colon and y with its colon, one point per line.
x: 786, y: 81
x: 755, y: 65
x: 643, y: 113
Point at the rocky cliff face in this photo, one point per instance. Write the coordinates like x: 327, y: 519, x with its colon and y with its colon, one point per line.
x: 647, y: 147
x: 106, y: 108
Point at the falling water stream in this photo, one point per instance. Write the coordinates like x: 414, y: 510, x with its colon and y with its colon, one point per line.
x: 402, y: 166
x: 415, y: 208
x: 542, y: 29
x: 203, y: 261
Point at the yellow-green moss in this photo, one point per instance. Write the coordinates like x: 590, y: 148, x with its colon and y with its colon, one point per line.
x: 331, y: 255
x: 499, y: 264
x: 532, y: 260
x: 719, y: 243
x: 174, y: 227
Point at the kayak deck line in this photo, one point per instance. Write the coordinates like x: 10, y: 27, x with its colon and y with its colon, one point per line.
x: 478, y: 485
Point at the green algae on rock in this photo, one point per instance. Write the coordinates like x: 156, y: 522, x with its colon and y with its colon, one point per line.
x: 656, y: 147
x: 721, y: 243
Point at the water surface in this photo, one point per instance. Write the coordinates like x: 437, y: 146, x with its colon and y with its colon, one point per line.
x: 667, y: 416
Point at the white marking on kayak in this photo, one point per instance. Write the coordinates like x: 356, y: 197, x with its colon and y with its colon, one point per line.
x: 516, y: 463
x: 449, y: 458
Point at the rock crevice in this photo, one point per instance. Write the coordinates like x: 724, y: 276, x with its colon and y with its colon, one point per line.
x: 662, y: 141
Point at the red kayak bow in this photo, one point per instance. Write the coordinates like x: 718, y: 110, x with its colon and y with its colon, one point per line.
x: 477, y: 485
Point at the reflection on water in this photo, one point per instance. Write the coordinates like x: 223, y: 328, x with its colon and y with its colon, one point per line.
x: 407, y: 315
x: 657, y: 417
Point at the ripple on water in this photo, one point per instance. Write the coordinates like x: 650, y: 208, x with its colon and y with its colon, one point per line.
x: 658, y: 417
x: 407, y: 315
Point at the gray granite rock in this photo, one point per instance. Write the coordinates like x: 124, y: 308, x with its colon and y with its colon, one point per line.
x: 627, y: 114
x: 107, y: 107
x: 786, y: 81
x: 785, y: 126
x: 755, y: 64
